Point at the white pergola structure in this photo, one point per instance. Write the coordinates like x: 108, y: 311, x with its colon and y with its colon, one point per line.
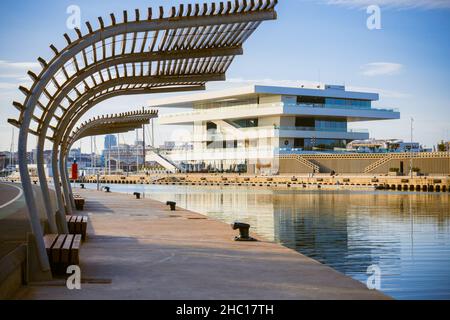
x: 177, y: 51
x: 117, y: 123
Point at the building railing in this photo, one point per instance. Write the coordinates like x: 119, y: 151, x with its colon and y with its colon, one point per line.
x: 344, y: 130
x: 270, y: 105
x: 337, y: 106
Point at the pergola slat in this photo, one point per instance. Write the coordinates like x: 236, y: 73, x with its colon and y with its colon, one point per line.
x: 189, y: 48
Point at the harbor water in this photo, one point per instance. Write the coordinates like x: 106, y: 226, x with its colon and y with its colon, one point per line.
x: 405, y: 236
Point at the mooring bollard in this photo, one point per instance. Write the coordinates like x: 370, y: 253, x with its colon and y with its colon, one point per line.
x: 243, y: 231
x: 107, y: 189
x: 172, y: 205
x: 82, y: 186
x: 137, y: 194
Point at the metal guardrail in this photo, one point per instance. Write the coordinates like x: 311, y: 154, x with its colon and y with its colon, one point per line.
x: 270, y: 105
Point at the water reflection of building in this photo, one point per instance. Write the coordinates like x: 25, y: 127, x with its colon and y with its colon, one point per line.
x: 336, y: 229
x: 229, y: 204
x: 312, y: 224
x: 406, y: 234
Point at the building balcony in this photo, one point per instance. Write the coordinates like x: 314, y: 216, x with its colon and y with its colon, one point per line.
x: 242, y: 134
x: 206, y: 154
x: 322, y: 133
x: 352, y: 113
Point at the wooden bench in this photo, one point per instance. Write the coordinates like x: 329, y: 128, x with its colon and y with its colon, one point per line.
x: 77, y: 225
x: 63, y: 250
x: 79, y: 202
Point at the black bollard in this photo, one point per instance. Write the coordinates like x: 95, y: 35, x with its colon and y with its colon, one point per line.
x: 137, y: 194
x: 243, y: 231
x: 172, y: 205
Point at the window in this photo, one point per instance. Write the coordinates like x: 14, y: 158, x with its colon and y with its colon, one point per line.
x: 246, y: 123
x: 326, y: 144
x: 299, y: 143
x: 360, y: 104
x: 331, y: 125
x: 310, y: 100
x: 211, y: 126
x: 305, y: 122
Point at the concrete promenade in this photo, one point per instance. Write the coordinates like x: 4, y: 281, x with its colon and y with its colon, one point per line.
x: 138, y: 249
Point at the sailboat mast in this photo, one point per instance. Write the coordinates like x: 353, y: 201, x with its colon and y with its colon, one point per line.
x: 143, y: 144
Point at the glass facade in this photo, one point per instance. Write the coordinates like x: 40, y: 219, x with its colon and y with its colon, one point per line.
x: 328, y: 124
x: 326, y: 144
x: 226, y: 103
x: 363, y: 104
x: 331, y: 125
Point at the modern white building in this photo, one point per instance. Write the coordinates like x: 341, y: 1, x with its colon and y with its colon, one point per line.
x: 245, y: 129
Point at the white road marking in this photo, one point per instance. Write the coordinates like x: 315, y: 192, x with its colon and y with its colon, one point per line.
x: 15, y: 198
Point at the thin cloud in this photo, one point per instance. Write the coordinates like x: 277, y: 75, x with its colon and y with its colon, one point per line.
x: 397, y: 4
x: 381, y: 69
x: 16, y: 70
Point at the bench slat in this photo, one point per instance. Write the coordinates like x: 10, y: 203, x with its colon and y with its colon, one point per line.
x: 78, y: 224
x: 56, y: 248
x: 74, y: 252
x: 71, y: 225
x: 84, y: 227
x: 49, y: 240
x: 65, y: 251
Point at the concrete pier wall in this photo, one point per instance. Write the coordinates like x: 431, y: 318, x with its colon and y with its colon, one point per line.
x: 434, y: 163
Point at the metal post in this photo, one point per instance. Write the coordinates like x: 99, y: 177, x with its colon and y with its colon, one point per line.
x: 153, y: 134
x: 411, y: 151
x: 109, y: 158
x: 143, y: 145
x: 118, y: 153
x: 11, y: 150
x: 137, y: 152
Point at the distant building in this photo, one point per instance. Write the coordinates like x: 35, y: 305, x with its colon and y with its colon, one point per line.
x: 380, y: 145
x: 110, y: 141
x: 168, y: 145
x: 123, y: 157
x: 84, y: 160
x: 246, y: 129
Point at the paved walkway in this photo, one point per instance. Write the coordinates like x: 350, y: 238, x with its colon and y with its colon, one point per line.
x: 138, y: 249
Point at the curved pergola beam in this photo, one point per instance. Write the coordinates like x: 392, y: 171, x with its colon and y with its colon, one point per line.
x: 108, y: 124
x: 122, y: 123
x: 63, y: 94
x: 74, y: 81
x: 69, y: 121
x: 80, y: 107
x: 196, y: 28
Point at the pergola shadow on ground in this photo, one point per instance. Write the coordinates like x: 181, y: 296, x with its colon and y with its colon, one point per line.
x: 179, y: 51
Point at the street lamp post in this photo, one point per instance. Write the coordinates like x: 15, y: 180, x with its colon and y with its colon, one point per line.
x: 411, y: 150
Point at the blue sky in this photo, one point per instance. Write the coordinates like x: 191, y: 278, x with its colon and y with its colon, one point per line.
x: 407, y: 61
